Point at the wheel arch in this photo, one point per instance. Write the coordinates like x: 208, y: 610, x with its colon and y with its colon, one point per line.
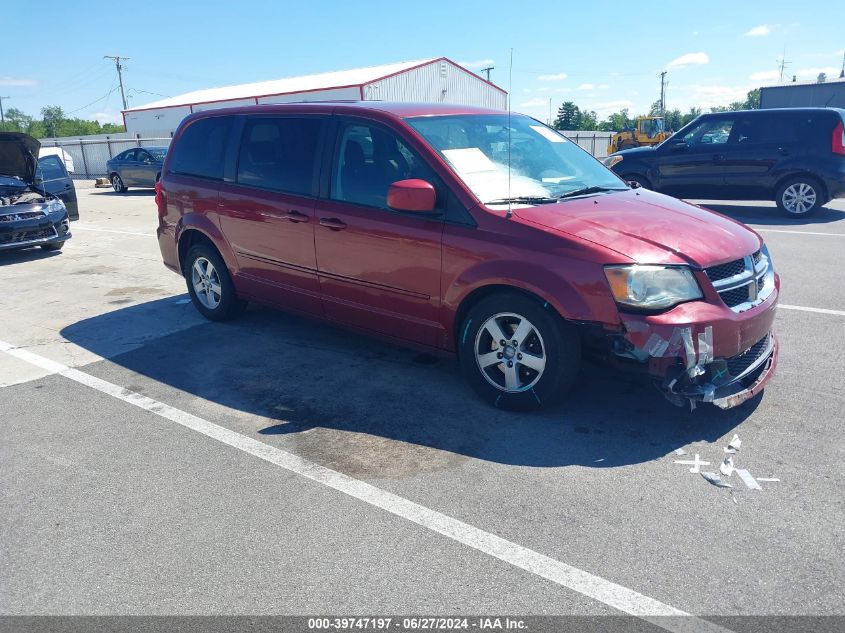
x: 191, y: 234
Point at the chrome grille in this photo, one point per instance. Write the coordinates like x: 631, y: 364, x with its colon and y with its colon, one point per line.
x: 742, y: 283
x: 723, y: 271
x: 23, y: 215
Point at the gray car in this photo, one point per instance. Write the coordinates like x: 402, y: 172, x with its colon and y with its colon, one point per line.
x: 136, y: 167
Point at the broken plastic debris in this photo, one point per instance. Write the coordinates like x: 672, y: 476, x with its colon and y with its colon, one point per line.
x: 696, y: 463
x: 727, y: 466
x: 733, y: 497
x: 714, y: 479
x: 705, y: 346
x: 680, y: 451
x: 767, y: 479
x: 747, y: 479
x: 735, y: 443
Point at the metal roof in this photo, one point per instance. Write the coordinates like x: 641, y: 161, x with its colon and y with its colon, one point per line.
x: 287, y: 85
x: 812, y: 82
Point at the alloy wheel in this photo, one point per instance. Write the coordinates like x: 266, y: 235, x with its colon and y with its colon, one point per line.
x: 510, y: 352
x: 799, y: 198
x: 206, y: 283
x: 116, y: 183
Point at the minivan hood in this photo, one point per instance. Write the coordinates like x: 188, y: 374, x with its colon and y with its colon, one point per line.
x: 18, y: 155
x: 648, y: 227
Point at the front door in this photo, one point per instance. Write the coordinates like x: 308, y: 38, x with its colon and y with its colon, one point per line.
x: 379, y: 269
x: 55, y: 180
x: 694, y: 166
x: 267, y: 214
x: 146, y: 170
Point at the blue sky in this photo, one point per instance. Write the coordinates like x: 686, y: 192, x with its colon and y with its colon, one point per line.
x: 594, y: 53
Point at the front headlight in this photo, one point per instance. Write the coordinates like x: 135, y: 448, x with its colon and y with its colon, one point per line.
x: 652, y: 287
x: 55, y: 206
x: 612, y: 160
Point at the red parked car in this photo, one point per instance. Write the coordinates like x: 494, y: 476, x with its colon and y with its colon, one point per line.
x: 466, y: 231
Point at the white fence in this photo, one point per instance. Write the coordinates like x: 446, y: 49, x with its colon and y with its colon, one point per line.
x: 90, y: 153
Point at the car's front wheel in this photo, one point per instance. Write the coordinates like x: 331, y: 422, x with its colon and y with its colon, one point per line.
x: 117, y: 184
x: 800, y: 197
x: 516, y: 353
x: 210, y: 285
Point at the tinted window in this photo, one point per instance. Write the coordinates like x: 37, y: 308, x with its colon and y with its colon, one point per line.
x: 771, y: 128
x: 201, y: 149
x: 127, y: 155
x: 158, y: 153
x: 710, y: 132
x: 144, y: 156
x: 278, y: 153
x: 369, y: 159
x: 50, y: 168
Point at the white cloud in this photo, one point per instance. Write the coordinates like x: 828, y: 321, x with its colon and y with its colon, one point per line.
x: 534, y: 103
x: 106, y: 116
x: 706, y: 95
x: 587, y: 87
x: 477, y: 64
x: 761, y: 30
x: 606, y: 108
x: 557, y: 77
x: 813, y: 73
x: 765, y: 75
x: 19, y: 83
x: 690, y: 59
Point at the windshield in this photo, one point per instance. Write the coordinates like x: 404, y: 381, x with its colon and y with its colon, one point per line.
x: 544, y: 164
x: 158, y: 153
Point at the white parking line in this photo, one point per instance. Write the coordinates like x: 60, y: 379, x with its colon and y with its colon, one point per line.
x: 798, y: 232
x: 817, y: 310
x: 76, y: 227
x: 585, y: 583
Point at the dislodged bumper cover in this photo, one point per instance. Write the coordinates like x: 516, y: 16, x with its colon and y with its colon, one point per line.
x: 700, y: 352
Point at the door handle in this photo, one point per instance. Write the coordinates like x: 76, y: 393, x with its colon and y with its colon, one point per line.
x: 333, y: 223
x: 296, y: 216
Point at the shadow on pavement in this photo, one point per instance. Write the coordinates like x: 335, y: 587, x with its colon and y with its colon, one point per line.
x: 770, y: 215
x: 143, y: 192
x: 10, y: 257
x: 300, y: 375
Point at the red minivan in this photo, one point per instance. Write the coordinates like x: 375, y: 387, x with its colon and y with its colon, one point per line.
x: 466, y: 231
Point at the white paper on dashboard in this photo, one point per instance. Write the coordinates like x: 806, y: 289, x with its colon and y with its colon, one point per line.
x: 548, y: 134
x: 469, y: 160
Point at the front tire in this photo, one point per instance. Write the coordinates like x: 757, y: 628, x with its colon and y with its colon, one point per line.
x: 800, y: 197
x: 210, y: 286
x: 117, y: 184
x: 516, y: 353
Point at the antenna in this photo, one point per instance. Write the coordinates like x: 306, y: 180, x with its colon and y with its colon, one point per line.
x: 487, y: 72
x: 509, y: 214
x: 783, y: 64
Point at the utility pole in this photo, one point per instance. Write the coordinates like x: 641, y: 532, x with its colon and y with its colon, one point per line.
x: 487, y: 71
x: 663, y: 93
x: 783, y: 64
x: 2, y: 115
x: 119, y: 67
x: 842, y: 72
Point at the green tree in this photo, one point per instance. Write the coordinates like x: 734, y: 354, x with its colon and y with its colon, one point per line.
x: 52, y: 117
x: 752, y: 99
x: 617, y: 121
x: 567, y: 116
x: 589, y: 120
x: 17, y: 121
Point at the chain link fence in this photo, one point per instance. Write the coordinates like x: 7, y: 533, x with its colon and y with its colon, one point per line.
x: 90, y: 155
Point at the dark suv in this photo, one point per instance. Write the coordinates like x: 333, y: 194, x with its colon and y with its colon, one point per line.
x: 794, y: 156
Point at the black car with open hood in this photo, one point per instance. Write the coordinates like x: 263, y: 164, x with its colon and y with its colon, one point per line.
x: 30, y: 214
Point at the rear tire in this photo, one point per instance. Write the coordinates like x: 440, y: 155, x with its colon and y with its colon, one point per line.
x: 800, y: 197
x: 522, y: 374
x: 210, y: 286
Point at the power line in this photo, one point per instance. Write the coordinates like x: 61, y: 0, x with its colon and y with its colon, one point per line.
x: 119, y: 67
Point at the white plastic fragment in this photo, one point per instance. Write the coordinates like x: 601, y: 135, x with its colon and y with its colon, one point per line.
x: 680, y: 451
x: 714, y: 479
x: 696, y: 463
x: 735, y: 443
x: 747, y: 479
x: 727, y: 466
x: 767, y: 479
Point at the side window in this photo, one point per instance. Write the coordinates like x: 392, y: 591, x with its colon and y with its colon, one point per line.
x: 279, y: 153
x: 51, y: 168
x: 144, y: 157
x: 201, y: 149
x: 771, y: 128
x: 710, y: 132
x: 127, y: 155
x: 368, y: 160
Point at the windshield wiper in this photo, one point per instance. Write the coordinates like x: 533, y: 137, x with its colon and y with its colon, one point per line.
x: 525, y: 199
x: 586, y: 191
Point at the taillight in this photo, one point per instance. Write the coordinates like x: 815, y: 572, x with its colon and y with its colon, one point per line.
x: 838, y: 144
x: 161, y: 200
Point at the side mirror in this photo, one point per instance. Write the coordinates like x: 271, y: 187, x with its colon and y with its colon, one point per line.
x: 412, y: 195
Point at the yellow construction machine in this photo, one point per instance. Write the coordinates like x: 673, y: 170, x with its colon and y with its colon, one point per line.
x: 650, y: 130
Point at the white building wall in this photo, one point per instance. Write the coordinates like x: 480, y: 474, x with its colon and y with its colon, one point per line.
x: 331, y: 94
x: 437, y: 82
x: 216, y: 105
x: 142, y: 121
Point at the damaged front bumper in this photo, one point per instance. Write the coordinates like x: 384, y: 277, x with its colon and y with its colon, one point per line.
x: 702, y: 352
x: 24, y: 227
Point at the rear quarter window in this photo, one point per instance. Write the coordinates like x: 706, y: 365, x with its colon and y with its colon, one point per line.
x: 201, y: 148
